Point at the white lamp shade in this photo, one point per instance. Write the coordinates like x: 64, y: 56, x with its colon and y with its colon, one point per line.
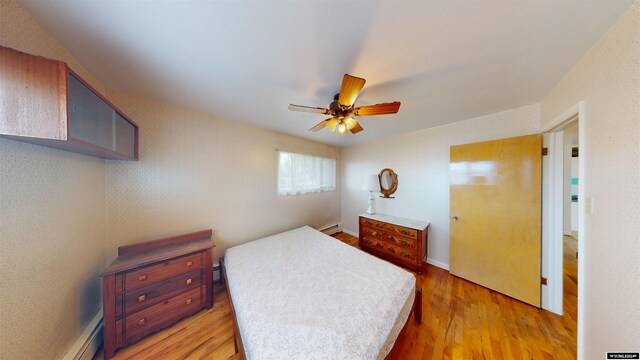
x: 371, y: 183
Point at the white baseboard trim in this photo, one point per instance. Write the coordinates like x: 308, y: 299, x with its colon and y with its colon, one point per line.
x: 438, y: 264
x: 89, y: 341
x: 352, y: 233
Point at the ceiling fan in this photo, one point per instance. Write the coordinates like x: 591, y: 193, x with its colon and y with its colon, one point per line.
x: 342, y: 110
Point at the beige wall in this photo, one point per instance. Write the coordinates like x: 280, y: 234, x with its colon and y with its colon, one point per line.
x: 607, y: 79
x: 421, y: 160
x: 52, y: 217
x: 197, y: 171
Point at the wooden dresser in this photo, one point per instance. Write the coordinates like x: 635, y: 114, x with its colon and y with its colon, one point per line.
x: 154, y: 284
x: 400, y: 240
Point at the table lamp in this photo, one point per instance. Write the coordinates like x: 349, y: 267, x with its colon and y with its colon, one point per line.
x: 371, y: 184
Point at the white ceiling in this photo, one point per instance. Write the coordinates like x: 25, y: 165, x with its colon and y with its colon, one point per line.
x: 246, y: 61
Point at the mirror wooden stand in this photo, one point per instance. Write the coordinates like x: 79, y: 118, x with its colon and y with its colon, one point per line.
x: 388, y: 182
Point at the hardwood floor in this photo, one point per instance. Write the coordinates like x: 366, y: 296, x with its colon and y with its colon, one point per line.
x: 570, y: 284
x: 461, y: 320
x: 206, y: 335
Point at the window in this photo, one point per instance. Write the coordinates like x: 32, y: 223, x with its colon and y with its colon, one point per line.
x: 301, y: 174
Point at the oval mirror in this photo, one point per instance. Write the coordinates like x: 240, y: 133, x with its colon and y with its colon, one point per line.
x: 388, y: 182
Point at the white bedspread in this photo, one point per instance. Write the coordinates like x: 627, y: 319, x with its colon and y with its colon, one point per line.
x: 305, y: 295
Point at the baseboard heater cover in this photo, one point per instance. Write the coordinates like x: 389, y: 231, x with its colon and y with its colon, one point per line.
x: 330, y: 230
x: 89, y: 341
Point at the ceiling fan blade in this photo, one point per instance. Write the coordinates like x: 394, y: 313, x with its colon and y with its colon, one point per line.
x: 331, y: 124
x: 317, y: 110
x: 356, y: 127
x: 378, y: 109
x: 321, y: 125
x: 350, y: 89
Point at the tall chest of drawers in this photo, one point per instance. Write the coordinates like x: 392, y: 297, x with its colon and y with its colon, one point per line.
x: 154, y: 284
x: 402, y: 241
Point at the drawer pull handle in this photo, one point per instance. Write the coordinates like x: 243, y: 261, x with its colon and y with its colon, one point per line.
x: 188, y: 302
x: 189, y: 263
x: 142, y: 321
x: 142, y: 298
x: 404, y: 242
x: 142, y: 277
x: 188, y: 281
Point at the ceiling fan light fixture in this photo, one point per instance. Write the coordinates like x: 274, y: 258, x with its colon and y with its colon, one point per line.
x: 332, y: 124
x: 350, y: 122
x: 342, y: 128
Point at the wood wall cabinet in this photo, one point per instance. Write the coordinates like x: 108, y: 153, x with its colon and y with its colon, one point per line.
x: 154, y: 284
x: 42, y: 101
x: 400, y: 240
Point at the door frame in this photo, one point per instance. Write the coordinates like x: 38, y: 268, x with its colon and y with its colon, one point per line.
x: 552, y: 222
x: 552, y: 233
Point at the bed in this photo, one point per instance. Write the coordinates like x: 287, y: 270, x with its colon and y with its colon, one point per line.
x: 304, y: 295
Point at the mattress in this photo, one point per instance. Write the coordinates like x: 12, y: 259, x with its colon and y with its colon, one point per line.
x: 304, y: 295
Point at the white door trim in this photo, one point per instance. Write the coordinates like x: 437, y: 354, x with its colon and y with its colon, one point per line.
x: 552, y: 195
x: 553, y: 221
x: 560, y: 121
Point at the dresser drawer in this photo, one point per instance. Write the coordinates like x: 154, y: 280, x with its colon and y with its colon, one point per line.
x: 390, y: 228
x: 163, y: 314
x: 167, y: 269
x: 392, y: 239
x: 395, y: 251
x: 153, y: 294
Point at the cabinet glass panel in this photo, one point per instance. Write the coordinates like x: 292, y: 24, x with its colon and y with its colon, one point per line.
x: 125, y: 136
x: 90, y: 118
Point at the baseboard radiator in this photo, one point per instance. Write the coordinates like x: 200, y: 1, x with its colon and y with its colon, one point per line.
x: 330, y: 230
x: 89, y: 341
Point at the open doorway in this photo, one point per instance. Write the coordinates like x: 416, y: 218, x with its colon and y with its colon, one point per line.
x: 563, y: 198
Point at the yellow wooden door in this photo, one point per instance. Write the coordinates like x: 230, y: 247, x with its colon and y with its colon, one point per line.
x: 496, y: 195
